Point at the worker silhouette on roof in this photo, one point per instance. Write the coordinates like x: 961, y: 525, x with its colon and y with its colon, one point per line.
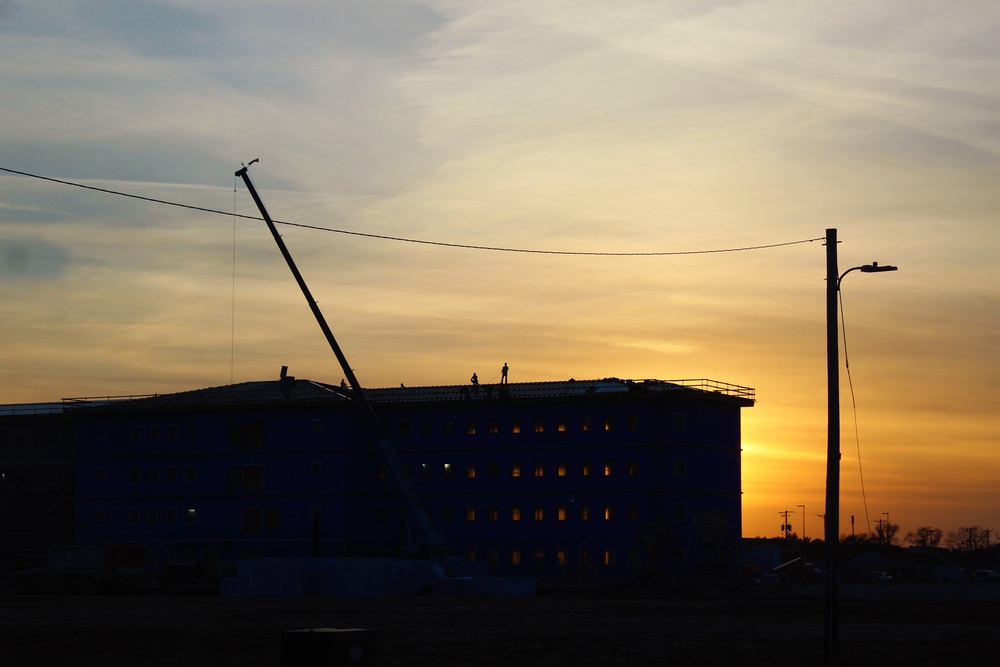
x: 503, y: 374
x: 474, y: 380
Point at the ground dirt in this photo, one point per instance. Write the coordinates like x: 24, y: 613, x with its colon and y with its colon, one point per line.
x: 568, y: 628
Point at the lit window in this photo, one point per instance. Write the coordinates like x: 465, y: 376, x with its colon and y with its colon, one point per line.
x: 561, y: 556
x: 585, y: 423
x: 585, y: 468
x: 449, y: 470
x: 539, y: 425
x: 539, y: 513
x: 609, y: 423
x: 561, y: 513
x: 609, y: 468
x: 515, y: 426
x: 493, y: 426
x: 585, y: 512
x: 539, y: 469
x: 609, y: 557
x: 515, y: 469
x: 470, y: 426
x: 562, y: 469
x: 470, y: 470
x: 515, y: 513
x: 608, y: 513
x: 515, y: 556
x: 470, y: 513
x: 192, y: 514
x: 562, y: 424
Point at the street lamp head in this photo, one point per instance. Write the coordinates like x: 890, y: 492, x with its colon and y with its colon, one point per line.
x: 875, y: 268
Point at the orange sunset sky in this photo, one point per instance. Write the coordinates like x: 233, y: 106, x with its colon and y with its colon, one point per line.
x: 581, y: 126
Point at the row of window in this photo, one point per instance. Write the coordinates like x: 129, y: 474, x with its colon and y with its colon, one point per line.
x: 517, y: 557
x: 586, y: 468
x: 583, y: 557
x: 515, y: 513
x: 255, y: 519
x: 251, y: 477
x: 251, y: 434
x: 519, y: 425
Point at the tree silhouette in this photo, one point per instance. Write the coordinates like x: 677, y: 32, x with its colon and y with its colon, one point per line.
x: 925, y: 536
x: 968, y: 539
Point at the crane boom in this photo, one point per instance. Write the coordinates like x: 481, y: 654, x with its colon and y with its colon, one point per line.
x: 430, y: 540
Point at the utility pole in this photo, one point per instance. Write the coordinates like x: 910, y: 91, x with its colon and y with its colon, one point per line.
x: 787, y: 527
x: 831, y: 635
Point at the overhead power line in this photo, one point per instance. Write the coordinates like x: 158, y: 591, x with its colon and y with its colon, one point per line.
x: 402, y: 239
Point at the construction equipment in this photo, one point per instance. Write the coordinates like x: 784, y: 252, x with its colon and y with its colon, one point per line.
x: 428, y: 542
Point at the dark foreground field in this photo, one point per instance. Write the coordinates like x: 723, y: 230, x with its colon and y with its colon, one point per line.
x: 744, y: 629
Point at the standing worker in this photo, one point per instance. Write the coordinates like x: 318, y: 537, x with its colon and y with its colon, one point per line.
x: 503, y: 374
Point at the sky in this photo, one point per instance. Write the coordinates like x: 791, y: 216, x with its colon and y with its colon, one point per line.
x: 727, y: 136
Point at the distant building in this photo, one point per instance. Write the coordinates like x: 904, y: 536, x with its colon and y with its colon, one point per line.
x: 573, y: 478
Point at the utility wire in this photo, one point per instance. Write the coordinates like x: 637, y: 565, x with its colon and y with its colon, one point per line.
x: 854, y: 405
x: 410, y: 240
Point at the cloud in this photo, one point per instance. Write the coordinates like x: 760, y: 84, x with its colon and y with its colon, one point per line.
x: 31, y: 259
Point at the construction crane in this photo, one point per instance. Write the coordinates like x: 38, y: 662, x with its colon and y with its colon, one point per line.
x: 428, y: 543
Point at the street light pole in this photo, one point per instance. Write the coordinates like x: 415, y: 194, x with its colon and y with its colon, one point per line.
x: 831, y: 635
x: 803, y: 522
x: 831, y: 520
